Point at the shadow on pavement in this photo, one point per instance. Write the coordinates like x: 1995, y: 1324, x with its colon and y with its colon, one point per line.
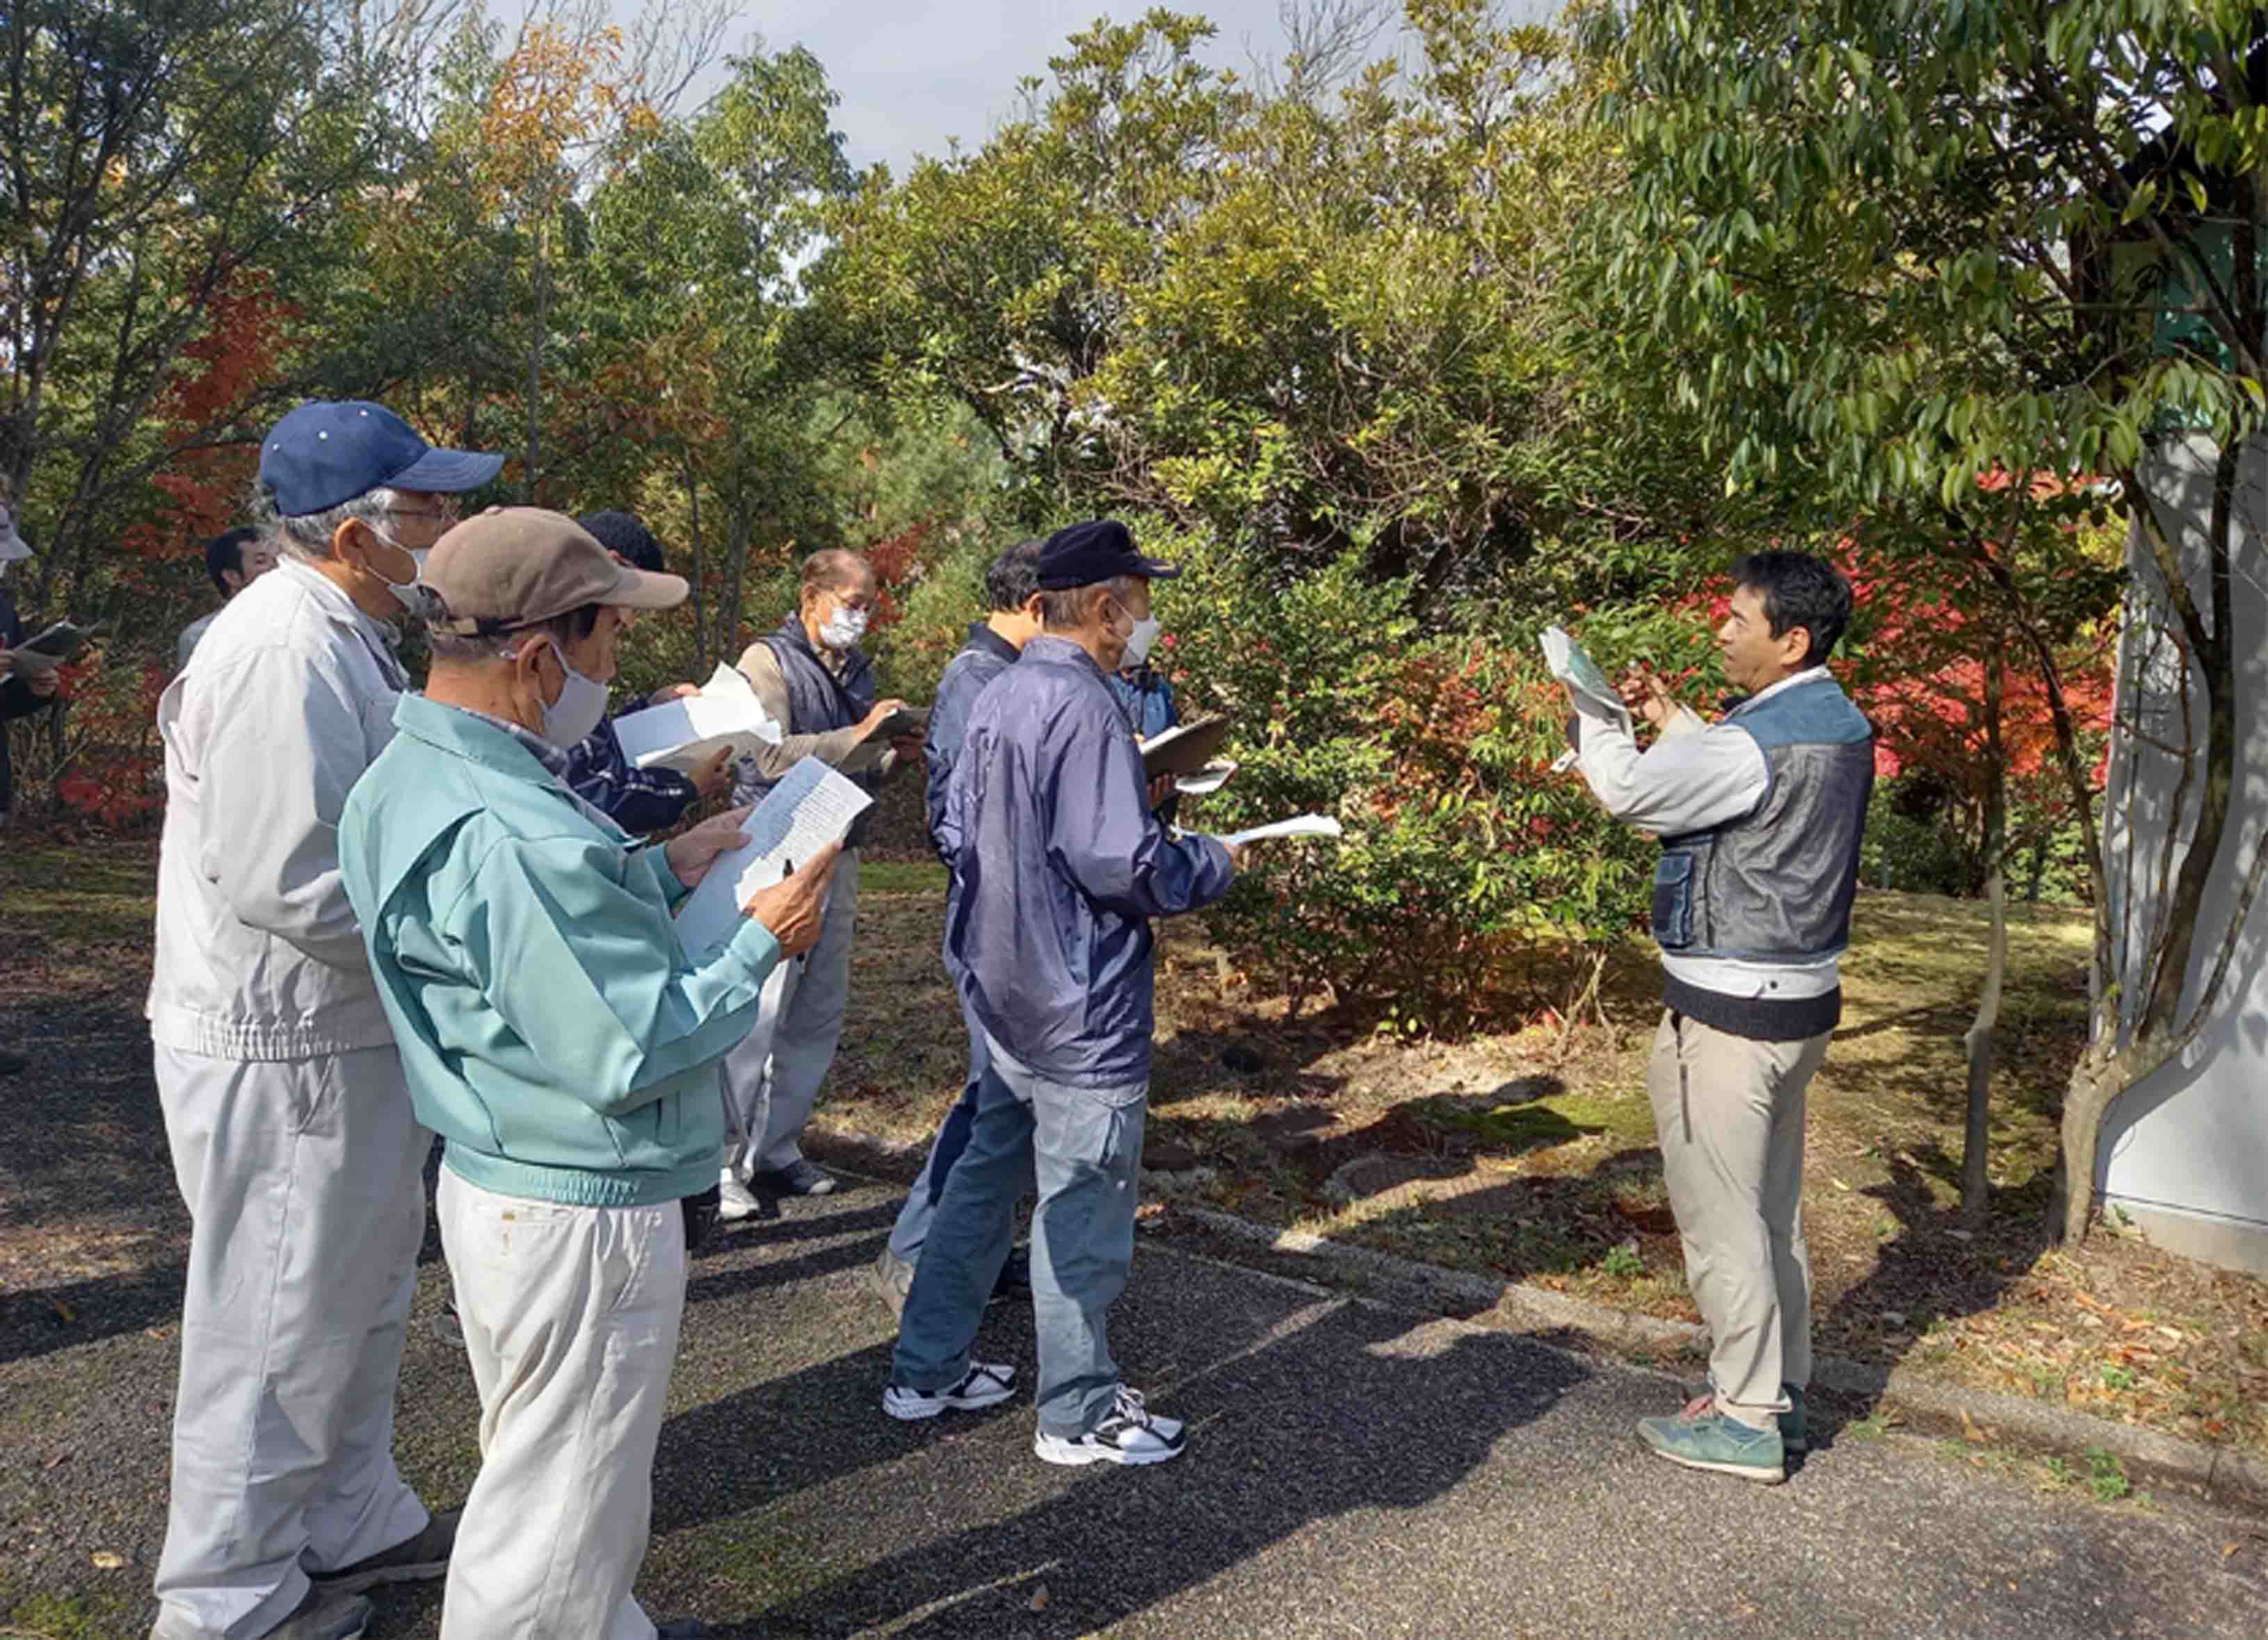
x: 1348, y: 1410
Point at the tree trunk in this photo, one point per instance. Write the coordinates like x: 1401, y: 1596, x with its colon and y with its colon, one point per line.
x: 1975, y: 1189
x: 535, y: 379
x: 705, y: 651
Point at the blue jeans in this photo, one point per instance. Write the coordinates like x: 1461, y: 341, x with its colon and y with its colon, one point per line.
x: 1081, y: 1149
x: 915, y: 1217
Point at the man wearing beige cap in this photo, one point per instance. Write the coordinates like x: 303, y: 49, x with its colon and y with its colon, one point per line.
x: 563, y: 1044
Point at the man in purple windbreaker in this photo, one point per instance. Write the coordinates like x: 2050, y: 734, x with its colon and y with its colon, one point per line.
x: 1059, y: 863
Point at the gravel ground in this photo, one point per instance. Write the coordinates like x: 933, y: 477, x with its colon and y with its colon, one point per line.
x: 1353, y: 1470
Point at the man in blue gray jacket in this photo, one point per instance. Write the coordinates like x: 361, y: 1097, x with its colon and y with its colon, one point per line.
x: 1760, y: 816
x: 1011, y: 595
x: 1059, y: 863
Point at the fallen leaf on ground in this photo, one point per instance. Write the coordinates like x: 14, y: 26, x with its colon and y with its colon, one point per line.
x: 1040, y: 1598
x: 105, y: 1560
x: 1969, y: 1428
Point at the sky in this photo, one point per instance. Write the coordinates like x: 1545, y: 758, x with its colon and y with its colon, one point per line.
x: 916, y: 73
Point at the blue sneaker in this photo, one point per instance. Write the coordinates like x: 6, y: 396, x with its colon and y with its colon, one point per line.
x: 1702, y: 1438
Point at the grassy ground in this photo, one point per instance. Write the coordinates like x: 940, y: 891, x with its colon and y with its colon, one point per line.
x: 1521, y: 1155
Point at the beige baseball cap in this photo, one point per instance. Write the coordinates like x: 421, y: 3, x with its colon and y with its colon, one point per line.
x: 514, y: 566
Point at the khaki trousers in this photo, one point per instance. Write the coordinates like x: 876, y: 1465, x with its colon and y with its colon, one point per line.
x: 1729, y: 1111
x: 571, y: 1317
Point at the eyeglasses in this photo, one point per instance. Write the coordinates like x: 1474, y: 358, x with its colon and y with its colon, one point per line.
x: 439, y: 515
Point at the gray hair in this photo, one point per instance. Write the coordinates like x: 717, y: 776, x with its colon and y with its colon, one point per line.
x: 471, y: 649
x: 309, y: 538
x: 1066, y: 611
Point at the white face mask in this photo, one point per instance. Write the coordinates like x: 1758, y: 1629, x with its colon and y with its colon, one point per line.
x: 415, y: 597
x: 1138, y: 641
x: 844, y: 628
x: 569, y: 719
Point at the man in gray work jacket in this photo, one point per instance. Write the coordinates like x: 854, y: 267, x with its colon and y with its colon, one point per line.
x: 1012, y: 594
x: 1760, y: 817
x: 1059, y: 863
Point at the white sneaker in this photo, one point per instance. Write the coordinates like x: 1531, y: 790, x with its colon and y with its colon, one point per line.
x: 1131, y: 1434
x: 736, y: 1202
x: 986, y: 1383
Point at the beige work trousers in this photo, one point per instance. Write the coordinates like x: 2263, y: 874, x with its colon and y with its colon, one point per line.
x: 1729, y: 1113
x: 570, y: 1318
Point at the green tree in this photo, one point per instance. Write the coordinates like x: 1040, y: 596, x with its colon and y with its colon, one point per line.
x: 1884, y: 250
x: 155, y: 151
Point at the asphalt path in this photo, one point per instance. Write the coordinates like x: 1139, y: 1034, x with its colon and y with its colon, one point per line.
x: 1351, y: 1470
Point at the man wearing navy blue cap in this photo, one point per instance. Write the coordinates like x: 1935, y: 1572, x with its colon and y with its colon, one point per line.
x: 1058, y: 864
x: 292, y: 1137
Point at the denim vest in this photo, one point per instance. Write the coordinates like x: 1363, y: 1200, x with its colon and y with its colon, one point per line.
x: 817, y: 702
x: 1776, y: 885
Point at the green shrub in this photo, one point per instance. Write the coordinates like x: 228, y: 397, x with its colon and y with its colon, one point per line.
x: 1471, y: 879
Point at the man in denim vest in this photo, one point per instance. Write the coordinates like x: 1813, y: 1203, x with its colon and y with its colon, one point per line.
x: 1760, y: 816
x: 811, y: 677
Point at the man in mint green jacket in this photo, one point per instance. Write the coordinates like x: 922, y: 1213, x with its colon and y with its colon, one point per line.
x: 561, y: 1041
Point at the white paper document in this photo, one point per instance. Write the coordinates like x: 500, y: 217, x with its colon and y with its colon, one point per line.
x: 1207, y: 780
x: 1298, y: 826
x: 1581, y: 674
x: 811, y: 807
x: 684, y: 733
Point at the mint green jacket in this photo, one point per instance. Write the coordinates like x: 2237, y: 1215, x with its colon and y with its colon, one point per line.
x: 552, y: 1029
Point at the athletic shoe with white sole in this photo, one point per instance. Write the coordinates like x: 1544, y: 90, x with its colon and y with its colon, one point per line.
x: 985, y: 1383
x: 1131, y: 1434
x: 736, y: 1202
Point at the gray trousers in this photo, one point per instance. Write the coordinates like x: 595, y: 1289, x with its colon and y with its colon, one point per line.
x: 771, y: 1080
x: 1729, y: 1113
x: 1081, y: 1149
x: 306, y: 1196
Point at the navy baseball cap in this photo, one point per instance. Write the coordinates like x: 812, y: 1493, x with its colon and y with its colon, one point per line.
x: 325, y: 453
x: 1080, y: 555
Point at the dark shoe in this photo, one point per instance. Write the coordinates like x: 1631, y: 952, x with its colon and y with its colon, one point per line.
x: 1015, y: 1278
x: 419, y: 1560
x: 1792, y: 1429
x: 798, y: 1178
x: 11, y: 1063
x: 684, y: 1628
x: 325, y: 1615
x: 1702, y: 1438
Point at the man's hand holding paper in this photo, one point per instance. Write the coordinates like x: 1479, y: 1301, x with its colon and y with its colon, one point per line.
x: 795, y: 907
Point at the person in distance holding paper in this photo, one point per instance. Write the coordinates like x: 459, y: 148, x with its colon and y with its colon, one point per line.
x: 812, y: 677
x: 1059, y: 863
x: 1011, y: 589
x: 1760, y: 817
x: 641, y: 801
x: 564, y: 1047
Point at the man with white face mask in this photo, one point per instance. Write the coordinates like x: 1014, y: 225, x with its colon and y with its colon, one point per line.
x: 293, y: 1140
x: 811, y: 677
x: 1059, y: 866
x: 561, y: 1041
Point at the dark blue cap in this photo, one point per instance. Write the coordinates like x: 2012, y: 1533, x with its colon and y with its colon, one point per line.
x: 1080, y: 555
x: 324, y: 454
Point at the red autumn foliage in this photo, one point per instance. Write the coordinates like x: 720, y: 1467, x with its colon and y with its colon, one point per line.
x: 222, y: 371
